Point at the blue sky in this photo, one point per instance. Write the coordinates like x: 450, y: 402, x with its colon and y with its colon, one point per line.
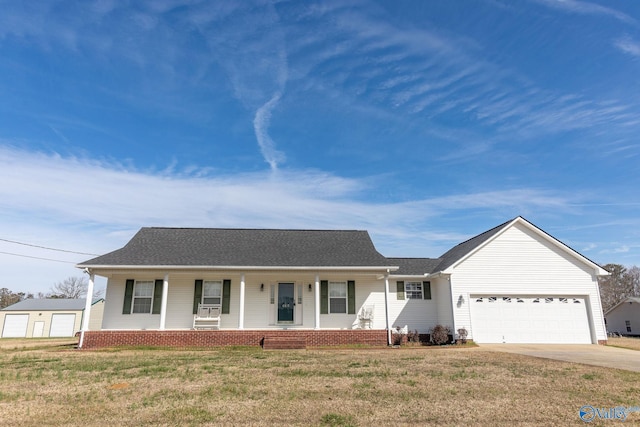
x: 423, y: 122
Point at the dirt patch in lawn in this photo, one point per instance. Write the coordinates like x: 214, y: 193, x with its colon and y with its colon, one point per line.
x: 238, y: 386
x: 23, y: 343
x: 624, y: 342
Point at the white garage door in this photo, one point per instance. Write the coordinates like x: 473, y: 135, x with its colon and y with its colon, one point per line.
x: 532, y: 319
x: 15, y: 326
x: 62, y: 325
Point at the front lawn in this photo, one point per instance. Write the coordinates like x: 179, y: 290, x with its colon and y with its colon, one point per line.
x: 249, y: 386
x: 624, y: 342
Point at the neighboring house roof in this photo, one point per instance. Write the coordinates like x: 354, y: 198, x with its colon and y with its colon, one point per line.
x: 48, y: 304
x: 629, y: 299
x: 414, y: 266
x: 193, y: 247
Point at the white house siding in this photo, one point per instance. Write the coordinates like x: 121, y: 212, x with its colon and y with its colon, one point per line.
x: 442, y: 298
x: 258, y: 312
x: 521, y: 262
x: 625, y: 311
x: 420, y: 315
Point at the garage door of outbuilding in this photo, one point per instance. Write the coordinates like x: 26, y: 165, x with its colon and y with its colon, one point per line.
x: 530, y: 319
x: 62, y: 325
x: 15, y: 326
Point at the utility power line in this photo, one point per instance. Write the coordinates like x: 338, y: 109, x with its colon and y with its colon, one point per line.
x: 45, y: 247
x: 36, y: 257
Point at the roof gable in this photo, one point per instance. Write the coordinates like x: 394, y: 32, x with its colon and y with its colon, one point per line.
x: 626, y: 300
x: 244, y: 247
x: 459, y: 253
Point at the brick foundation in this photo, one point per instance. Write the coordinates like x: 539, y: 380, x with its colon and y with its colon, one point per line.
x: 190, y: 338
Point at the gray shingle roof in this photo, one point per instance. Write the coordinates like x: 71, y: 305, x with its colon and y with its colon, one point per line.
x: 244, y: 247
x: 414, y: 266
x: 47, y: 304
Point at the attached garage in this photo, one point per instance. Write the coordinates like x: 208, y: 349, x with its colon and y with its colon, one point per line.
x: 15, y: 326
x: 530, y: 319
x: 62, y: 325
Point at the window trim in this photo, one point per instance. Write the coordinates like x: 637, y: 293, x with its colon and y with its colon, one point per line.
x: 150, y: 297
x: 409, y: 292
x: 204, y: 285
x: 345, y: 297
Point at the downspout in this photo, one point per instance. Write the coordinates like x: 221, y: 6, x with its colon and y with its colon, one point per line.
x: 386, y: 306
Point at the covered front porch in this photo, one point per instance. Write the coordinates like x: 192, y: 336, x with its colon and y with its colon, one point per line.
x: 255, y: 304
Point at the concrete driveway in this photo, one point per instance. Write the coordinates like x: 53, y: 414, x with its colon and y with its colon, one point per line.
x: 597, y: 355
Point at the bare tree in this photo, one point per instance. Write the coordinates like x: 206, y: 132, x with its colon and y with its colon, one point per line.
x: 617, y: 286
x: 71, y: 287
x: 8, y: 297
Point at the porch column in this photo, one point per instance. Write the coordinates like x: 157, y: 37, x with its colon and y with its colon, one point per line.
x: 241, y: 311
x: 87, y: 309
x: 386, y: 307
x: 317, y: 302
x: 163, y: 305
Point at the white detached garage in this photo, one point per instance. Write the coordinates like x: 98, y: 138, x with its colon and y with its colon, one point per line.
x: 517, y: 284
x: 47, y: 317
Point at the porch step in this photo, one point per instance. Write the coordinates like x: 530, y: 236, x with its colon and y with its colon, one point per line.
x: 284, y: 343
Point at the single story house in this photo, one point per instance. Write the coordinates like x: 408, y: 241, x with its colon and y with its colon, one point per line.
x: 624, y: 317
x: 201, y: 286
x: 48, y: 317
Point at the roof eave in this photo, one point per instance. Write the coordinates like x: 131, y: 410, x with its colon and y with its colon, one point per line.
x: 235, y: 267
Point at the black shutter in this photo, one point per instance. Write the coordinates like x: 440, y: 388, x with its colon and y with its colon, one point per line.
x: 426, y: 290
x: 128, y: 296
x: 197, y: 295
x: 324, y: 297
x: 351, y: 297
x: 157, y: 297
x: 399, y: 290
x: 226, y: 296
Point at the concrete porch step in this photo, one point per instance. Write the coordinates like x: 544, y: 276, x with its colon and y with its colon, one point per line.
x: 284, y: 343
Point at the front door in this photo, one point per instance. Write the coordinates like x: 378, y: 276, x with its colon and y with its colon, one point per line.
x: 286, y: 302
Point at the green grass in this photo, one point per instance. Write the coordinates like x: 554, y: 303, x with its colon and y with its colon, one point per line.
x: 347, y: 387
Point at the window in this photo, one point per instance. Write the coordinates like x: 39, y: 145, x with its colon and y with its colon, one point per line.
x: 479, y: 299
x: 627, y: 323
x: 413, y: 290
x: 492, y: 299
x: 519, y: 300
x: 548, y: 300
x: 212, y: 293
x: 563, y: 300
x: 143, y: 296
x: 337, y: 297
x: 506, y: 299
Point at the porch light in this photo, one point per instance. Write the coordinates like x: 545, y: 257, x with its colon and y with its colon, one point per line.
x: 460, y: 300
x: 310, y: 287
x: 261, y: 287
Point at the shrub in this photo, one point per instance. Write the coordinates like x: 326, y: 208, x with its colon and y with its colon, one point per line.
x: 413, y: 336
x: 440, y: 334
x: 462, y: 336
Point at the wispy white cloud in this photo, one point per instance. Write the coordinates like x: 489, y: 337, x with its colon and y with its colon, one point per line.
x: 628, y: 45
x: 587, y: 8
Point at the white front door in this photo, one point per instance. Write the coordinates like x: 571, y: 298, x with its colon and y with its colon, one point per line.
x: 530, y: 319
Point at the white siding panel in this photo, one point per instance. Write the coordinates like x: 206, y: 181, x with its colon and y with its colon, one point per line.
x: 420, y: 315
x: 520, y: 261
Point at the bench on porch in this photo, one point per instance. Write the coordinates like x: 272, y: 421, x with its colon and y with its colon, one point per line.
x: 207, y: 317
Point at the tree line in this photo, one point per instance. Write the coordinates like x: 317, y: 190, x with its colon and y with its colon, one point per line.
x: 71, y: 287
